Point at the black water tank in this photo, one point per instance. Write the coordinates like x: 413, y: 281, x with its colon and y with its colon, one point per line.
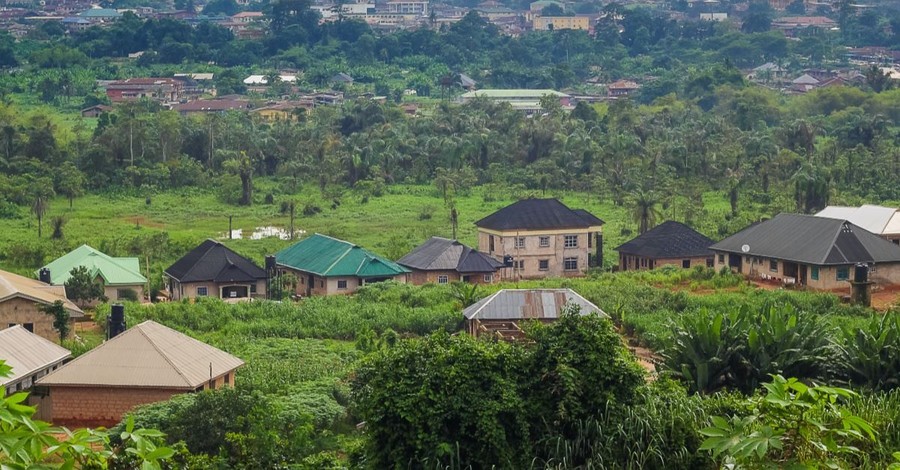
x: 861, y: 273
x: 508, y: 261
x: 270, y: 263
x: 44, y: 275
x: 116, y: 323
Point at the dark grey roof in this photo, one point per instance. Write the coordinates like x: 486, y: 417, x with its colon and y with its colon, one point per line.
x: 538, y: 214
x: 669, y: 239
x: 812, y: 240
x: 213, y: 261
x: 515, y: 304
x: 442, y: 254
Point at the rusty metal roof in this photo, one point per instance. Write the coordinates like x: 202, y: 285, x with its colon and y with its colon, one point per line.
x: 13, y: 285
x: 148, y: 355
x: 514, y: 304
x: 27, y: 353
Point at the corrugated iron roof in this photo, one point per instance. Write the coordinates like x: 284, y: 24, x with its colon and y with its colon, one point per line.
x: 330, y: 257
x: 13, y: 285
x: 870, y: 217
x: 147, y: 355
x: 514, y: 304
x: 114, y: 271
x: 811, y: 240
x: 27, y: 353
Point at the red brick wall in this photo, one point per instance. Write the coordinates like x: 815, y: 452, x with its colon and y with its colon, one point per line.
x: 99, y: 406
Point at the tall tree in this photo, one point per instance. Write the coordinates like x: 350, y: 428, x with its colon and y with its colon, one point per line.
x: 41, y: 193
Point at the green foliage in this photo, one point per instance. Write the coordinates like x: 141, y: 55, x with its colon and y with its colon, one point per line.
x: 739, y: 350
x: 61, y: 318
x: 245, y: 429
x: 82, y: 287
x: 792, y: 424
x: 870, y: 356
x: 456, y: 399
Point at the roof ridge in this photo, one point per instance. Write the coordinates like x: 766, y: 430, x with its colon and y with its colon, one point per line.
x: 160, y: 351
x: 834, y: 239
x: 200, y: 258
x: 338, y: 259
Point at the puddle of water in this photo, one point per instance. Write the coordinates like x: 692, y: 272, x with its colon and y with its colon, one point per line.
x: 265, y: 232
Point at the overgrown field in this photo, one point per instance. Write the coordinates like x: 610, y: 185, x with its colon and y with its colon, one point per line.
x: 162, y: 226
x: 301, y: 357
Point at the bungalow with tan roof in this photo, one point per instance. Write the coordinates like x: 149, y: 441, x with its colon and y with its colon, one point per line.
x: 147, y: 363
x: 21, y: 300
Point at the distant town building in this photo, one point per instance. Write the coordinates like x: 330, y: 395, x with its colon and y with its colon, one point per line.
x: 548, y: 23
x: 621, y: 88
x: 523, y: 100
x: 158, y: 89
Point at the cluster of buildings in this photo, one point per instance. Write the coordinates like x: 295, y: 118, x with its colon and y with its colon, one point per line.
x: 775, y: 76
x: 529, y: 239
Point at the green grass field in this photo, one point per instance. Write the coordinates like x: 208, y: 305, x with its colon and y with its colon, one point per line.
x: 391, y: 224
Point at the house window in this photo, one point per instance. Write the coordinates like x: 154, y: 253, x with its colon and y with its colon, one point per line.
x: 590, y: 241
x: 488, y: 277
x: 519, y: 264
x: 570, y: 241
x: 685, y: 263
x: 321, y: 284
x: 520, y: 242
x: 721, y: 259
x: 468, y: 278
x: 227, y: 379
x: 202, y: 291
x: 342, y: 284
x: 570, y: 264
x: 773, y: 266
x: 253, y: 288
x: 814, y: 273
x: 709, y: 262
x: 443, y: 279
x: 843, y: 274
x: 545, y: 242
x: 490, y: 243
x: 544, y: 265
x: 643, y: 262
x: 29, y: 327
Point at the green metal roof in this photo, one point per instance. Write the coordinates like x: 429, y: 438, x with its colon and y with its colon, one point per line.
x: 330, y: 257
x: 100, y: 13
x: 114, y: 271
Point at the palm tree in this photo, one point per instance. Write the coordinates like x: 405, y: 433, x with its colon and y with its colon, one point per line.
x: 645, y: 211
x: 41, y: 202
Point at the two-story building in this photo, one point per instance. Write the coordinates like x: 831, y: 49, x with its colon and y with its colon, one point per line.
x: 542, y: 238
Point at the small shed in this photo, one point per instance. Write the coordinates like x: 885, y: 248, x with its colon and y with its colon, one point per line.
x: 502, y: 313
x: 147, y: 363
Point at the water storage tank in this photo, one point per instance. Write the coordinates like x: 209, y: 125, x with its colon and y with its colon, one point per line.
x: 861, y: 273
x: 44, y: 275
x: 116, y: 322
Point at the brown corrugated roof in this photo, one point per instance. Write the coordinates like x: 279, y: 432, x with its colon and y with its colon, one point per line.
x: 148, y: 355
x: 27, y: 353
x: 13, y: 285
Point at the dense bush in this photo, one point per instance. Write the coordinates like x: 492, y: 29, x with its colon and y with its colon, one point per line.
x: 742, y: 349
x: 484, y: 403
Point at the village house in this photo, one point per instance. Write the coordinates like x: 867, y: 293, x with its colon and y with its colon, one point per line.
x: 30, y: 356
x: 121, y: 277
x: 96, y: 110
x: 791, y: 26
x: 807, y: 250
x: 165, y: 90
x: 324, y: 266
x: 542, y: 238
x: 880, y: 220
x: 214, y: 270
x: 502, y: 314
x: 147, y: 363
x: 21, y: 300
x: 621, y: 88
x: 100, y: 15
x: 556, y: 23
x: 441, y: 261
x: 285, y: 110
x: 668, y: 244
